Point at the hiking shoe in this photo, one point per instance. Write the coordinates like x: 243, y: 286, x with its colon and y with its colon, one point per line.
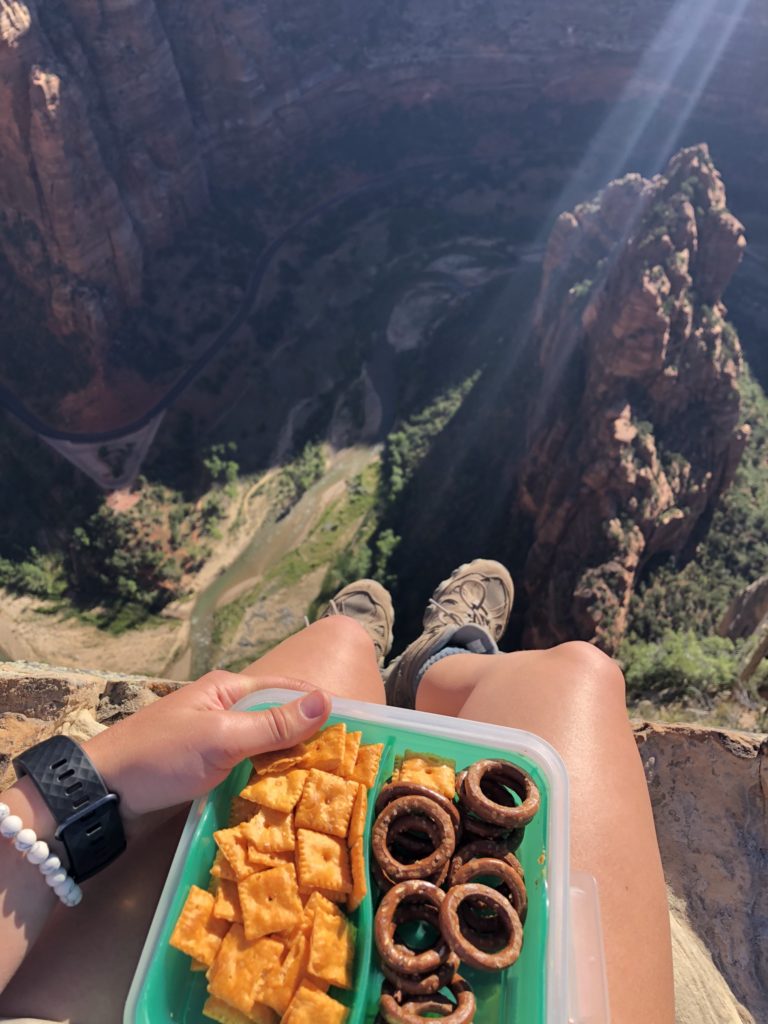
x: 480, y: 592
x: 368, y: 603
x: 469, y: 610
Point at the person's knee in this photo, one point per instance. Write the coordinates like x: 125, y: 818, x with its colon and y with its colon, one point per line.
x: 344, y: 633
x: 589, y: 664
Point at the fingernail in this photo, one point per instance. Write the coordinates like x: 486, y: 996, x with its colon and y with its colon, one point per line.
x: 313, y: 706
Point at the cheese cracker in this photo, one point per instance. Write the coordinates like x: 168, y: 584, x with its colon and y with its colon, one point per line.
x: 227, y: 904
x: 310, y: 1006
x: 357, y: 818
x: 262, y: 860
x: 223, y: 1013
x: 287, y: 980
x: 270, y: 831
x: 234, y: 846
x: 222, y: 868
x: 197, y: 932
x: 433, y: 772
x: 324, y: 751
x: 322, y: 861
x: 359, y: 875
x: 326, y: 803
x: 332, y: 947
x: 367, y: 764
x: 348, y: 761
x: 239, y: 966
x: 270, y: 901
x: 279, y: 792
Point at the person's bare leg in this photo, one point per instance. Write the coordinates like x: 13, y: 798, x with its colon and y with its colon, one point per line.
x: 82, y: 965
x: 335, y: 654
x: 573, y: 697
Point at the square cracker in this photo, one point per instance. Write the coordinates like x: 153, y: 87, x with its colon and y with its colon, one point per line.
x: 197, y: 932
x: 279, y: 792
x: 262, y: 860
x: 349, y: 760
x: 329, y: 894
x: 239, y: 967
x: 359, y: 812
x: 324, y: 751
x: 234, y: 845
x: 326, y: 803
x: 367, y: 764
x: 227, y: 903
x: 270, y: 901
x: 432, y: 772
x: 223, y: 1013
x: 222, y: 868
x: 332, y: 947
x: 270, y: 831
x: 310, y: 1006
x: 323, y: 862
x: 280, y: 992
x: 359, y: 874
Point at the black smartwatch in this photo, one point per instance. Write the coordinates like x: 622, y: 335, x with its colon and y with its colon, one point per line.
x: 89, y: 828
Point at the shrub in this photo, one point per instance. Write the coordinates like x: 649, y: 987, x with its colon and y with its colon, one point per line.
x: 679, y: 665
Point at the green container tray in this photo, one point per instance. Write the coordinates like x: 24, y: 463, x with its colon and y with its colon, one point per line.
x: 533, y: 991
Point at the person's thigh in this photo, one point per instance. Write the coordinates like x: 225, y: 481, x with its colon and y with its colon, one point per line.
x: 573, y: 696
x: 334, y: 653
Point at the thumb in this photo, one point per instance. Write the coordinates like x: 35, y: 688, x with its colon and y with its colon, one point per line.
x: 277, y: 727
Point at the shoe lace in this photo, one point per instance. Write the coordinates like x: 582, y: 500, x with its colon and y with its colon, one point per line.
x: 470, y: 613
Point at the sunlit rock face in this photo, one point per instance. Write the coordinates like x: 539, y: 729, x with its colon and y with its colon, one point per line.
x: 634, y: 431
x: 117, y: 117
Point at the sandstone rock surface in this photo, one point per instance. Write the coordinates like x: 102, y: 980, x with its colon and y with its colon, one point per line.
x: 37, y: 701
x: 634, y: 431
x: 709, y: 791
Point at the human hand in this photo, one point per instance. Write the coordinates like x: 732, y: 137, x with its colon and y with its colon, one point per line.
x: 184, y: 744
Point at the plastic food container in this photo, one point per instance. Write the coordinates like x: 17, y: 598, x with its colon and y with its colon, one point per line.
x: 540, y: 988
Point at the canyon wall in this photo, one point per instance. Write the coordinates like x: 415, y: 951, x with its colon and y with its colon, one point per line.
x: 634, y: 429
x: 115, y: 118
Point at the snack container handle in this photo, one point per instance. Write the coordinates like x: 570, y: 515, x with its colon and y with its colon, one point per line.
x: 588, y: 984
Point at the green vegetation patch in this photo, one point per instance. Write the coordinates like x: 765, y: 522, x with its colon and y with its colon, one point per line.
x: 733, y: 554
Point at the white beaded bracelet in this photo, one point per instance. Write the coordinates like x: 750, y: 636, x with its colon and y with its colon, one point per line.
x: 37, y: 853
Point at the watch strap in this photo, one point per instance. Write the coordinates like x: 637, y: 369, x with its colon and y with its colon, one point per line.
x: 90, y: 829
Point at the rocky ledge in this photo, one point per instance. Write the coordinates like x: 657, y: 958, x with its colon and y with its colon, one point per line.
x: 709, y: 790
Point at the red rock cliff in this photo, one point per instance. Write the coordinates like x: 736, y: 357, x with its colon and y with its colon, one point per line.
x: 634, y: 432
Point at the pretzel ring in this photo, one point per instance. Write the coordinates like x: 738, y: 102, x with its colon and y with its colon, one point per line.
x: 406, y: 834
x: 385, y: 883
x: 422, y: 896
x: 394, y: 790
x: 485, y: 829
x: 498, y: 771
x: 513, y: 887
x: 422, y: 984
x: 434, y: 821
x: 461, y: 944
x: 484, y: 848
x: 414, y: 1011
